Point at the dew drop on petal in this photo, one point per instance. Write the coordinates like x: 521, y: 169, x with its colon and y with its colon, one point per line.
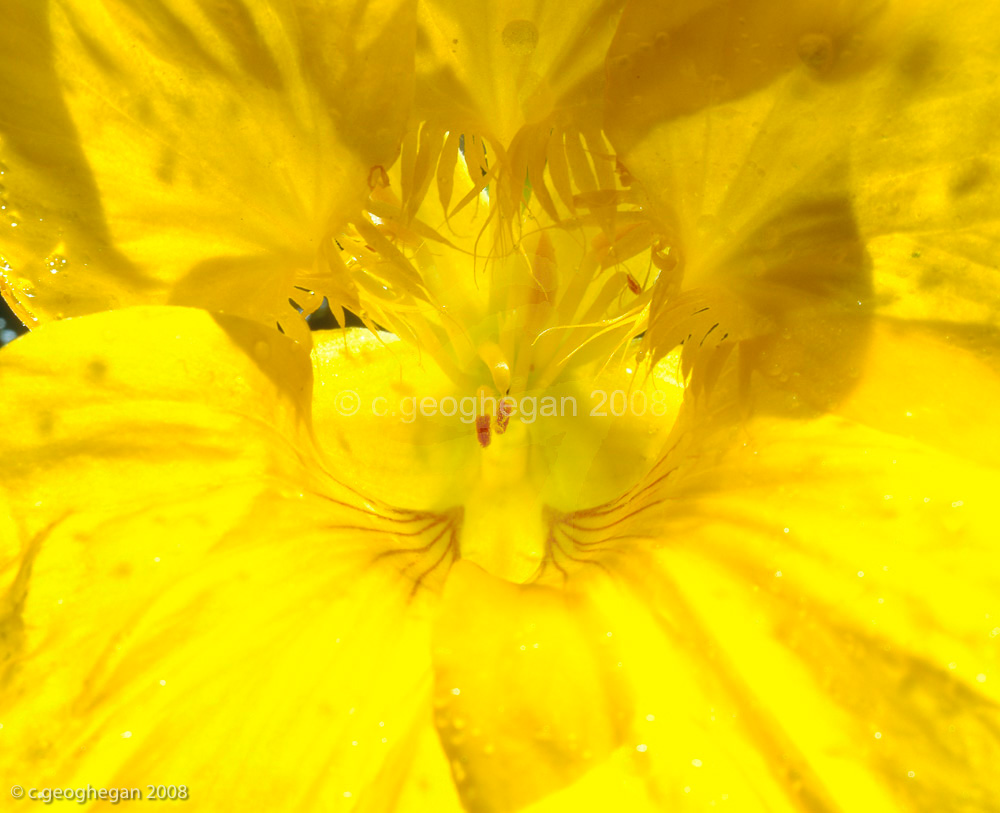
x: 25, y: 286
x: 817, y: 52
x: 520, y: 37
x: 56, y: 263
x: 262, y: 350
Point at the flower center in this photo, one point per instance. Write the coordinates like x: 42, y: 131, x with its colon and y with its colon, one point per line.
x: 518, y: 381
x: 414, y: 441
x: 526, y: 313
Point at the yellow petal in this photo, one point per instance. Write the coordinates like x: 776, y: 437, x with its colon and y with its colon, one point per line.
x: 191, y: 153
x: 526, y: 686
x: 722, y: 112
x: 187, y: 597
x: 927, y: 159
x: 672, y: 60
x: 812, y: 620
x: 738, y: 141
x: 494, y: 67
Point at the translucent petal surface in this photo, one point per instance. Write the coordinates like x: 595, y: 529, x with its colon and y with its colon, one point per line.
x: 494, y: 67
x: 672, y: 60
x: 732, y: 113
x: 740, y: 144
x: 927, y: 169
x: 196, y: 153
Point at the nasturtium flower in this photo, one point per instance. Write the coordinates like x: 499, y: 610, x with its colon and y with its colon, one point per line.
x: 661, y: 475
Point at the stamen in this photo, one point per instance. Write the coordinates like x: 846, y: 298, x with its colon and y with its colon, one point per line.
x: 377, y: 177
x: 504, y: 411
x: 483, y: 430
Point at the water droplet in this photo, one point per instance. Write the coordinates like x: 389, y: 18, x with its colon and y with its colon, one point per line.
x: 56, y: 263
x: 262, y: 350
x: 458, y: 771
x: 520, y: 37
x: 817, y: 52
x: 25, y: 286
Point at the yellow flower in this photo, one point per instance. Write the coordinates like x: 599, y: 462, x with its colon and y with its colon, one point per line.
x: 662, y: 477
